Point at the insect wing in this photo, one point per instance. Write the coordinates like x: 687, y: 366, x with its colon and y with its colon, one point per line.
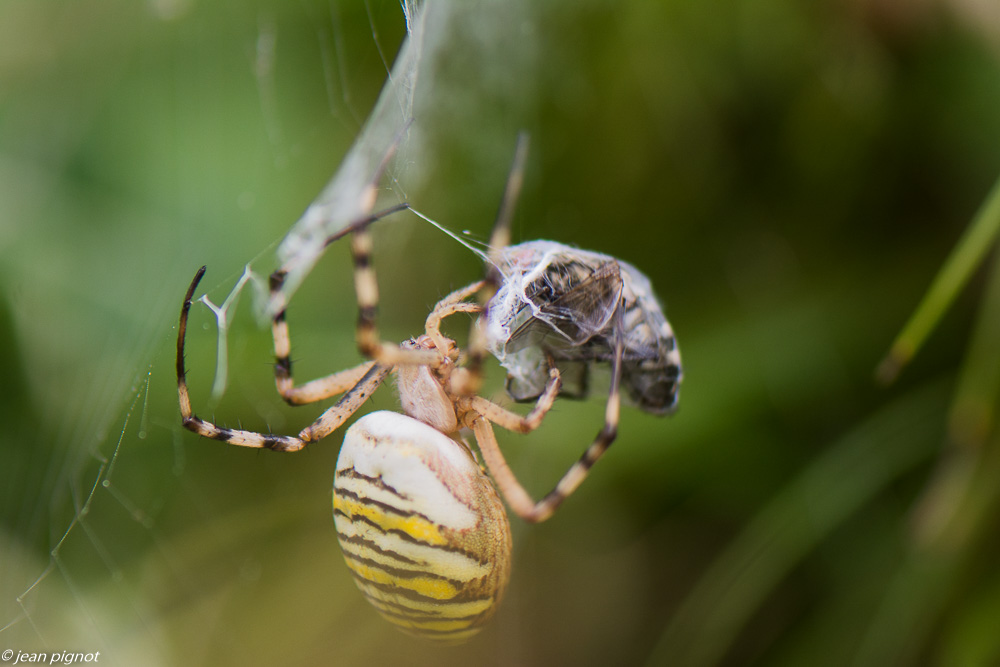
x: 563, y: 323
x: 577, y: 313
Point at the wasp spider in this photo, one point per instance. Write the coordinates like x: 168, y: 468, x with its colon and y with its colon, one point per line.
x: 420, y: 524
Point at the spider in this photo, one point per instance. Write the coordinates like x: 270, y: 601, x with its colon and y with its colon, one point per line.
x: 420, y: 524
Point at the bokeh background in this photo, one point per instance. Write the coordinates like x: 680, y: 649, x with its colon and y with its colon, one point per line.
x: 790, y: 175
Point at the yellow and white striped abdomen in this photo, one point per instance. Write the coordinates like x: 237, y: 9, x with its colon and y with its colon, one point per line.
x: 421, y: 526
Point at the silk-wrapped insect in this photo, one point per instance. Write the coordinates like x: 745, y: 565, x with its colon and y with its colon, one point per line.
x: 573, y: 307
x: 555, y: 311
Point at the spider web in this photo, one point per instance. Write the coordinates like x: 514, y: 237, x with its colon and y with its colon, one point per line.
x: 121, y: 534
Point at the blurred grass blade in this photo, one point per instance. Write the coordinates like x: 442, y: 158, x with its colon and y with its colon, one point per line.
x: 914, y: 597
x: 825, y: 494
x: 964, y: 259
x: 959, y: 495
x: 929, y: 593
x: 973, y: 413
x: 956, y: 510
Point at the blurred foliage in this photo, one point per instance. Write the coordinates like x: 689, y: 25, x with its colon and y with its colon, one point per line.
x: 790, y: 175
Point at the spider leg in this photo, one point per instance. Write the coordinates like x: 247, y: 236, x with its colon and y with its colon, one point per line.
x: 334, y: 416
x: 335, y: 383
x: 448, y: 306
x: 513, y: 421
x: 323, y: 426
x: 515, y: 494
x: 315, y: 390
x: 366, y: 286
x: 499, y: 239
x: 358, y: 382
x: 369, y: 342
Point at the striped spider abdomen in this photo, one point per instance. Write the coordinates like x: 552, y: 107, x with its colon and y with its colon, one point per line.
x: 421, y: 526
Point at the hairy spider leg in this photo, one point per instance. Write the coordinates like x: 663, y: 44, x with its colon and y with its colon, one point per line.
x: 327, y: 386
x: 515, y: 494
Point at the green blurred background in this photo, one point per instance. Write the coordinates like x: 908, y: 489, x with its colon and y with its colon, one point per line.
x: 790, y: 175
